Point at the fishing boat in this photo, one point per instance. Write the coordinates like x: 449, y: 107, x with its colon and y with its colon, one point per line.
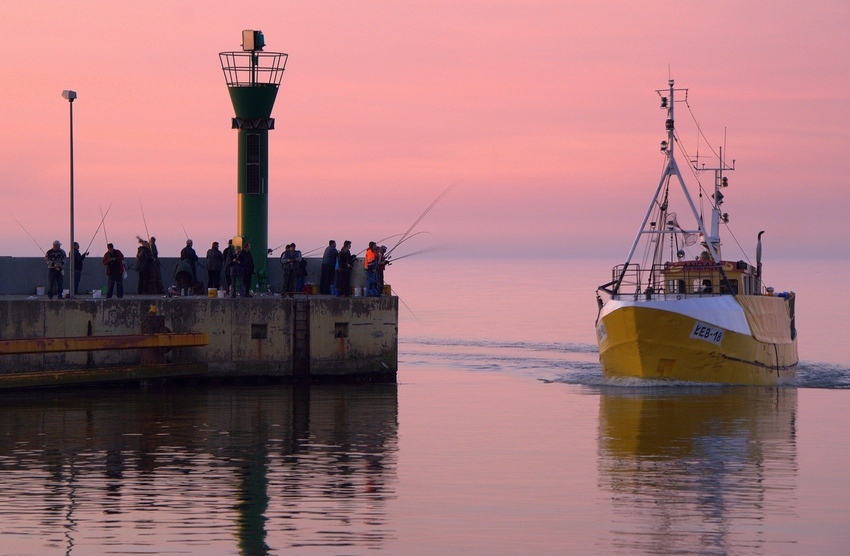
x: 684, y: 313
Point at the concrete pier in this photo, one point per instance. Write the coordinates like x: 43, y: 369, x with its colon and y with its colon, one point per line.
x: 312, y: 338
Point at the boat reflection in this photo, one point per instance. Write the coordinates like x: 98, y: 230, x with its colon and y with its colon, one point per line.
x: 209, y: 469
x: 697, y: 470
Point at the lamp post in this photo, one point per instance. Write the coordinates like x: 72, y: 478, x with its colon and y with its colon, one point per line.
x: 70, y: 96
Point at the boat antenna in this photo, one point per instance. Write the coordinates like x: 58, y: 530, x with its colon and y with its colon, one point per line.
x: 29, y: 234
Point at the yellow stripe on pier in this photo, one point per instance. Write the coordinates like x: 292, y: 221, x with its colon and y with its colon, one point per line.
x: 99, y: 343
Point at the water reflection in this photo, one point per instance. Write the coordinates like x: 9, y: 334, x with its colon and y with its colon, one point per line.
x: 704, y: 470
x: 200, y: 469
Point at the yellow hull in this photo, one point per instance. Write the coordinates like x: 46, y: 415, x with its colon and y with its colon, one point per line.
x: 651, y: 343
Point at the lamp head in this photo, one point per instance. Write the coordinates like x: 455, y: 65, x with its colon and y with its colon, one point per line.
x: 69, y: 95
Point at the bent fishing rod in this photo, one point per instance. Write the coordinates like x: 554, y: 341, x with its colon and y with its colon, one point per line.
x: 421, y: 216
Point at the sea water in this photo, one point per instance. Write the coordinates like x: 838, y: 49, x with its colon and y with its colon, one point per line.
x: 501, y: 437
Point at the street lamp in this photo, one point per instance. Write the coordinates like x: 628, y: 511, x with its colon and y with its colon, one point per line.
x: 70, y: 96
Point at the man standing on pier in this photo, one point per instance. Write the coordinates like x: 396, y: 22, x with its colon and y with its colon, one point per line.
x: 113, y: 260
x: 188, y: 254
x: 328, y: 264
x: 55, y: 259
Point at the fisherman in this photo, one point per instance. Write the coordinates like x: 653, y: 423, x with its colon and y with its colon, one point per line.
x: 215, y: 258
x: 144, y: 266
x: 183, y: 278
x: 346, y: 263
x: 300, y: 269
x: 248, y: 264
x: 290, y: 268
x: 55, y: 259
x: 328, y: 263
x: 113, y: 260
x: 237, y: 272
x: 383, y: 262
x: 188, y: 254
x: 78, y: 266
x: 229, y: 253
x: 370, y: 264
x: 157, y: 268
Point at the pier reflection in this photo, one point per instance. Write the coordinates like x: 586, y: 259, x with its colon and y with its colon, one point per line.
x: 698, y: 470
x: 209, y: 469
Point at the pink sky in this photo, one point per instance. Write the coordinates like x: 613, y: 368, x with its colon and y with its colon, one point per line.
x: 544, y: 113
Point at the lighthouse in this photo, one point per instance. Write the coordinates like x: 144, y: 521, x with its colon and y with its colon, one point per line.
x: 253, y: 79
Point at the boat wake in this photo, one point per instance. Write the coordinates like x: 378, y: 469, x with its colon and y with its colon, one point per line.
x: 569, y: 363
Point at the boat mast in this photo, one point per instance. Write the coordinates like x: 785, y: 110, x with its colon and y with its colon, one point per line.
x: 671, y: 169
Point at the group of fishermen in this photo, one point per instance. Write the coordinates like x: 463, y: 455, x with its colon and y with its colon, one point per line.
x: 236, y: 261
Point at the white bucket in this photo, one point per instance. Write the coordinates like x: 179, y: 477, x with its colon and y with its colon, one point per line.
x: 96, y: 294
x: 39, y: 290
x: 358, y: 292
x: 220, y: 294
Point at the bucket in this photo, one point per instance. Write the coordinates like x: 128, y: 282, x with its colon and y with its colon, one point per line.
x: 103, y: 290
x: 220, y: 294
x: 387, y: 289
x: 308, y: 288
x: 66, y: 294
x: 39, y: 290
x: 95, y: 294
x: 314, y: 289
x: 358, y: 292
x: 211, y: 292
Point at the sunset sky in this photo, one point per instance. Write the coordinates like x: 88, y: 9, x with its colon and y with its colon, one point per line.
x: 543, y: 113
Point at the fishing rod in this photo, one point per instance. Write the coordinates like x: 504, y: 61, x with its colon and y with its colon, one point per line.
x: 147, y: 233
x: 103, y: 221
x: 421, y: 216
x: 426, y: 250
x: 99, y: 225
x: 29, y: 234
x: 185, y: 232
x: 400, y: 241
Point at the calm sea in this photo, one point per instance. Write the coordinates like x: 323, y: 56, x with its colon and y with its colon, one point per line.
x: 501, y: 437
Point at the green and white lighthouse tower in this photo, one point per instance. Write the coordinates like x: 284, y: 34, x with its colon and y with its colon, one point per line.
x: 253, y: 78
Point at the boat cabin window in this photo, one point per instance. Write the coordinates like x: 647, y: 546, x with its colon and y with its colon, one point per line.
x: 733, y: 283
x: 676, y: 286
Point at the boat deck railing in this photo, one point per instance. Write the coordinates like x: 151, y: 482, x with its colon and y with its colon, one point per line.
x: 662, y: 280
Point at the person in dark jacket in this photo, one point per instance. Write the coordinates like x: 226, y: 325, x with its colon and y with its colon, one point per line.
x: 215, y: 258
x: 229, y: 253
x: 144, y: 265
x: 157, y: 268
x: 78, y: 266
x: 328, y: 263
x: 346, y: 263
x: 249, y: 269
x: 188, y: 254
x: 113, y: 260
x: 237, y: 271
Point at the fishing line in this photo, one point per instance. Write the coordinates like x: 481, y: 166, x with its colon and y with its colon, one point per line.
x: 405, y: 304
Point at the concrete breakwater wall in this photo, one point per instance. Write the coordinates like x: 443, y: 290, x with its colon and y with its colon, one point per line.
x: 303, y: 337
x: 21, y: 275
